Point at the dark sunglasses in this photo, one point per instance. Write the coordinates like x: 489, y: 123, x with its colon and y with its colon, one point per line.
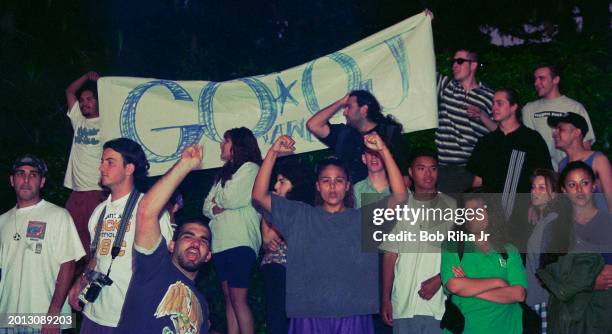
x: 460, y: 61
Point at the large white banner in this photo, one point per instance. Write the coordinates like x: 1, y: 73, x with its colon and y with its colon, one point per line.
x: 397, y: 65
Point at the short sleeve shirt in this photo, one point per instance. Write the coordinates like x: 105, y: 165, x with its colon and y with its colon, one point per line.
x: 348, y: 145
x: 482, y: 316
x: 30, y: 265
x: 106, y: 310
x: 365, y: 187
x: 536, y: 113
x: 418, y: 261
x: 82, y: 172
x: 328, y: 274
x: 161, y: 299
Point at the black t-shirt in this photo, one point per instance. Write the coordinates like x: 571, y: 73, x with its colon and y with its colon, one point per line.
x: 518, y: 153
x: 394, y: 140
x: 161, y: 298
x: 348, y: 145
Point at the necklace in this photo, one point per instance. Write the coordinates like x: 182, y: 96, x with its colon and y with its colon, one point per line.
x: 16, y: 236
x: 585, y: 217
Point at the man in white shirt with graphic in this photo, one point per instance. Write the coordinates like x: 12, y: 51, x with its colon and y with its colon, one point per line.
x: 82, y: 174
x: 123, y: 164
x: 546, y: 80
x: 38, y: 249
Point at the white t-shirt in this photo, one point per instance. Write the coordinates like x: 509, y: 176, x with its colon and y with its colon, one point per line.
x: 30, y: 265
x: 239, y: 224
x: 417, y: 262
x: 106, y: 310
x: 535, y: 116
x: 82, y: 172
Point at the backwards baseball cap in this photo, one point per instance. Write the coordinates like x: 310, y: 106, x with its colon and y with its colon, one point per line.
x: 31, y: 160
x: 571, y: 118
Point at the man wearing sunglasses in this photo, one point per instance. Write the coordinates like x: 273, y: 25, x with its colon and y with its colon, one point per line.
x: 464, y: 116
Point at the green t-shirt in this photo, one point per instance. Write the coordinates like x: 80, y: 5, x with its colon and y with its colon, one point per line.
x: 365, y: 187
x: 483, y: 316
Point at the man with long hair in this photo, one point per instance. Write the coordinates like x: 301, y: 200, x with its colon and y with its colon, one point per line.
x: 123, y: 164
x: 363, y: 115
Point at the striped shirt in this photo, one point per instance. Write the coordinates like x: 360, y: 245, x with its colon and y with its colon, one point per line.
x: 457, y: 133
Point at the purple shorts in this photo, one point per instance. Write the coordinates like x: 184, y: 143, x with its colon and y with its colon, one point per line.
x: 356, y: 324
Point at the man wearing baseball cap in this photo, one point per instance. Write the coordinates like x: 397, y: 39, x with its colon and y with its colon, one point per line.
x: 546, y: 81
x: 38, y: 248
x: 569, y: 131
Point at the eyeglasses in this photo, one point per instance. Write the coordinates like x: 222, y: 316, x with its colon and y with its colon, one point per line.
x: 460, y: 61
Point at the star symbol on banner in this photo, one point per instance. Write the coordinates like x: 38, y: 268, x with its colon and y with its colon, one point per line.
x: 284, y: 94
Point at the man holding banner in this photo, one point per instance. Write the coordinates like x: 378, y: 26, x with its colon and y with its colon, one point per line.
x: 164, y: 117
x: 465, y: 106
x: 363, y: 115
x: 82, y: 174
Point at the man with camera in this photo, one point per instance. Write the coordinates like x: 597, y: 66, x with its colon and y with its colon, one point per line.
x: 101, y: 289
x: 163, y: 297
x: 38, y: 249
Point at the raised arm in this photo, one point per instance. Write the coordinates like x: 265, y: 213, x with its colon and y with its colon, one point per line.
x: 318, y: 123
x: 396, y: 182
x: 71, y: 97
x: 150, y: 207
x: 260, y: 194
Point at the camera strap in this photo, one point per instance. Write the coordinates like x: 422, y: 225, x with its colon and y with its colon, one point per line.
x: 125, y: 218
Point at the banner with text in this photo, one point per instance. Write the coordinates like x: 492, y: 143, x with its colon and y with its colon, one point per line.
x: 397, y: 65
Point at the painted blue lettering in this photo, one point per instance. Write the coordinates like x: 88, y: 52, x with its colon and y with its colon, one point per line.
x: 267, y: 107
x: 350, y: 68
x: 398, y: 49
x: 189, y: 134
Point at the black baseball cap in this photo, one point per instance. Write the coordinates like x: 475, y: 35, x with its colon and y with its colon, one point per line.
x: 30, y: 160
x: 571, y: 118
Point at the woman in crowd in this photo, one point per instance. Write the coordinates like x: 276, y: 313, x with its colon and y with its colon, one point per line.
x: 578, y: 272
x: 294, y: 181
x: 235, y: 225
x: 597, y: 160
x: 485, y: 277
x: 545, y: 207
x: 332, y: 286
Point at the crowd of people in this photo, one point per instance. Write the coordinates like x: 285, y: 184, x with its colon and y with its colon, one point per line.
x: 121, y: 258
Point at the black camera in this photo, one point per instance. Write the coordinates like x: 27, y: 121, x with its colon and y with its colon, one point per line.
x: 92, y: 290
